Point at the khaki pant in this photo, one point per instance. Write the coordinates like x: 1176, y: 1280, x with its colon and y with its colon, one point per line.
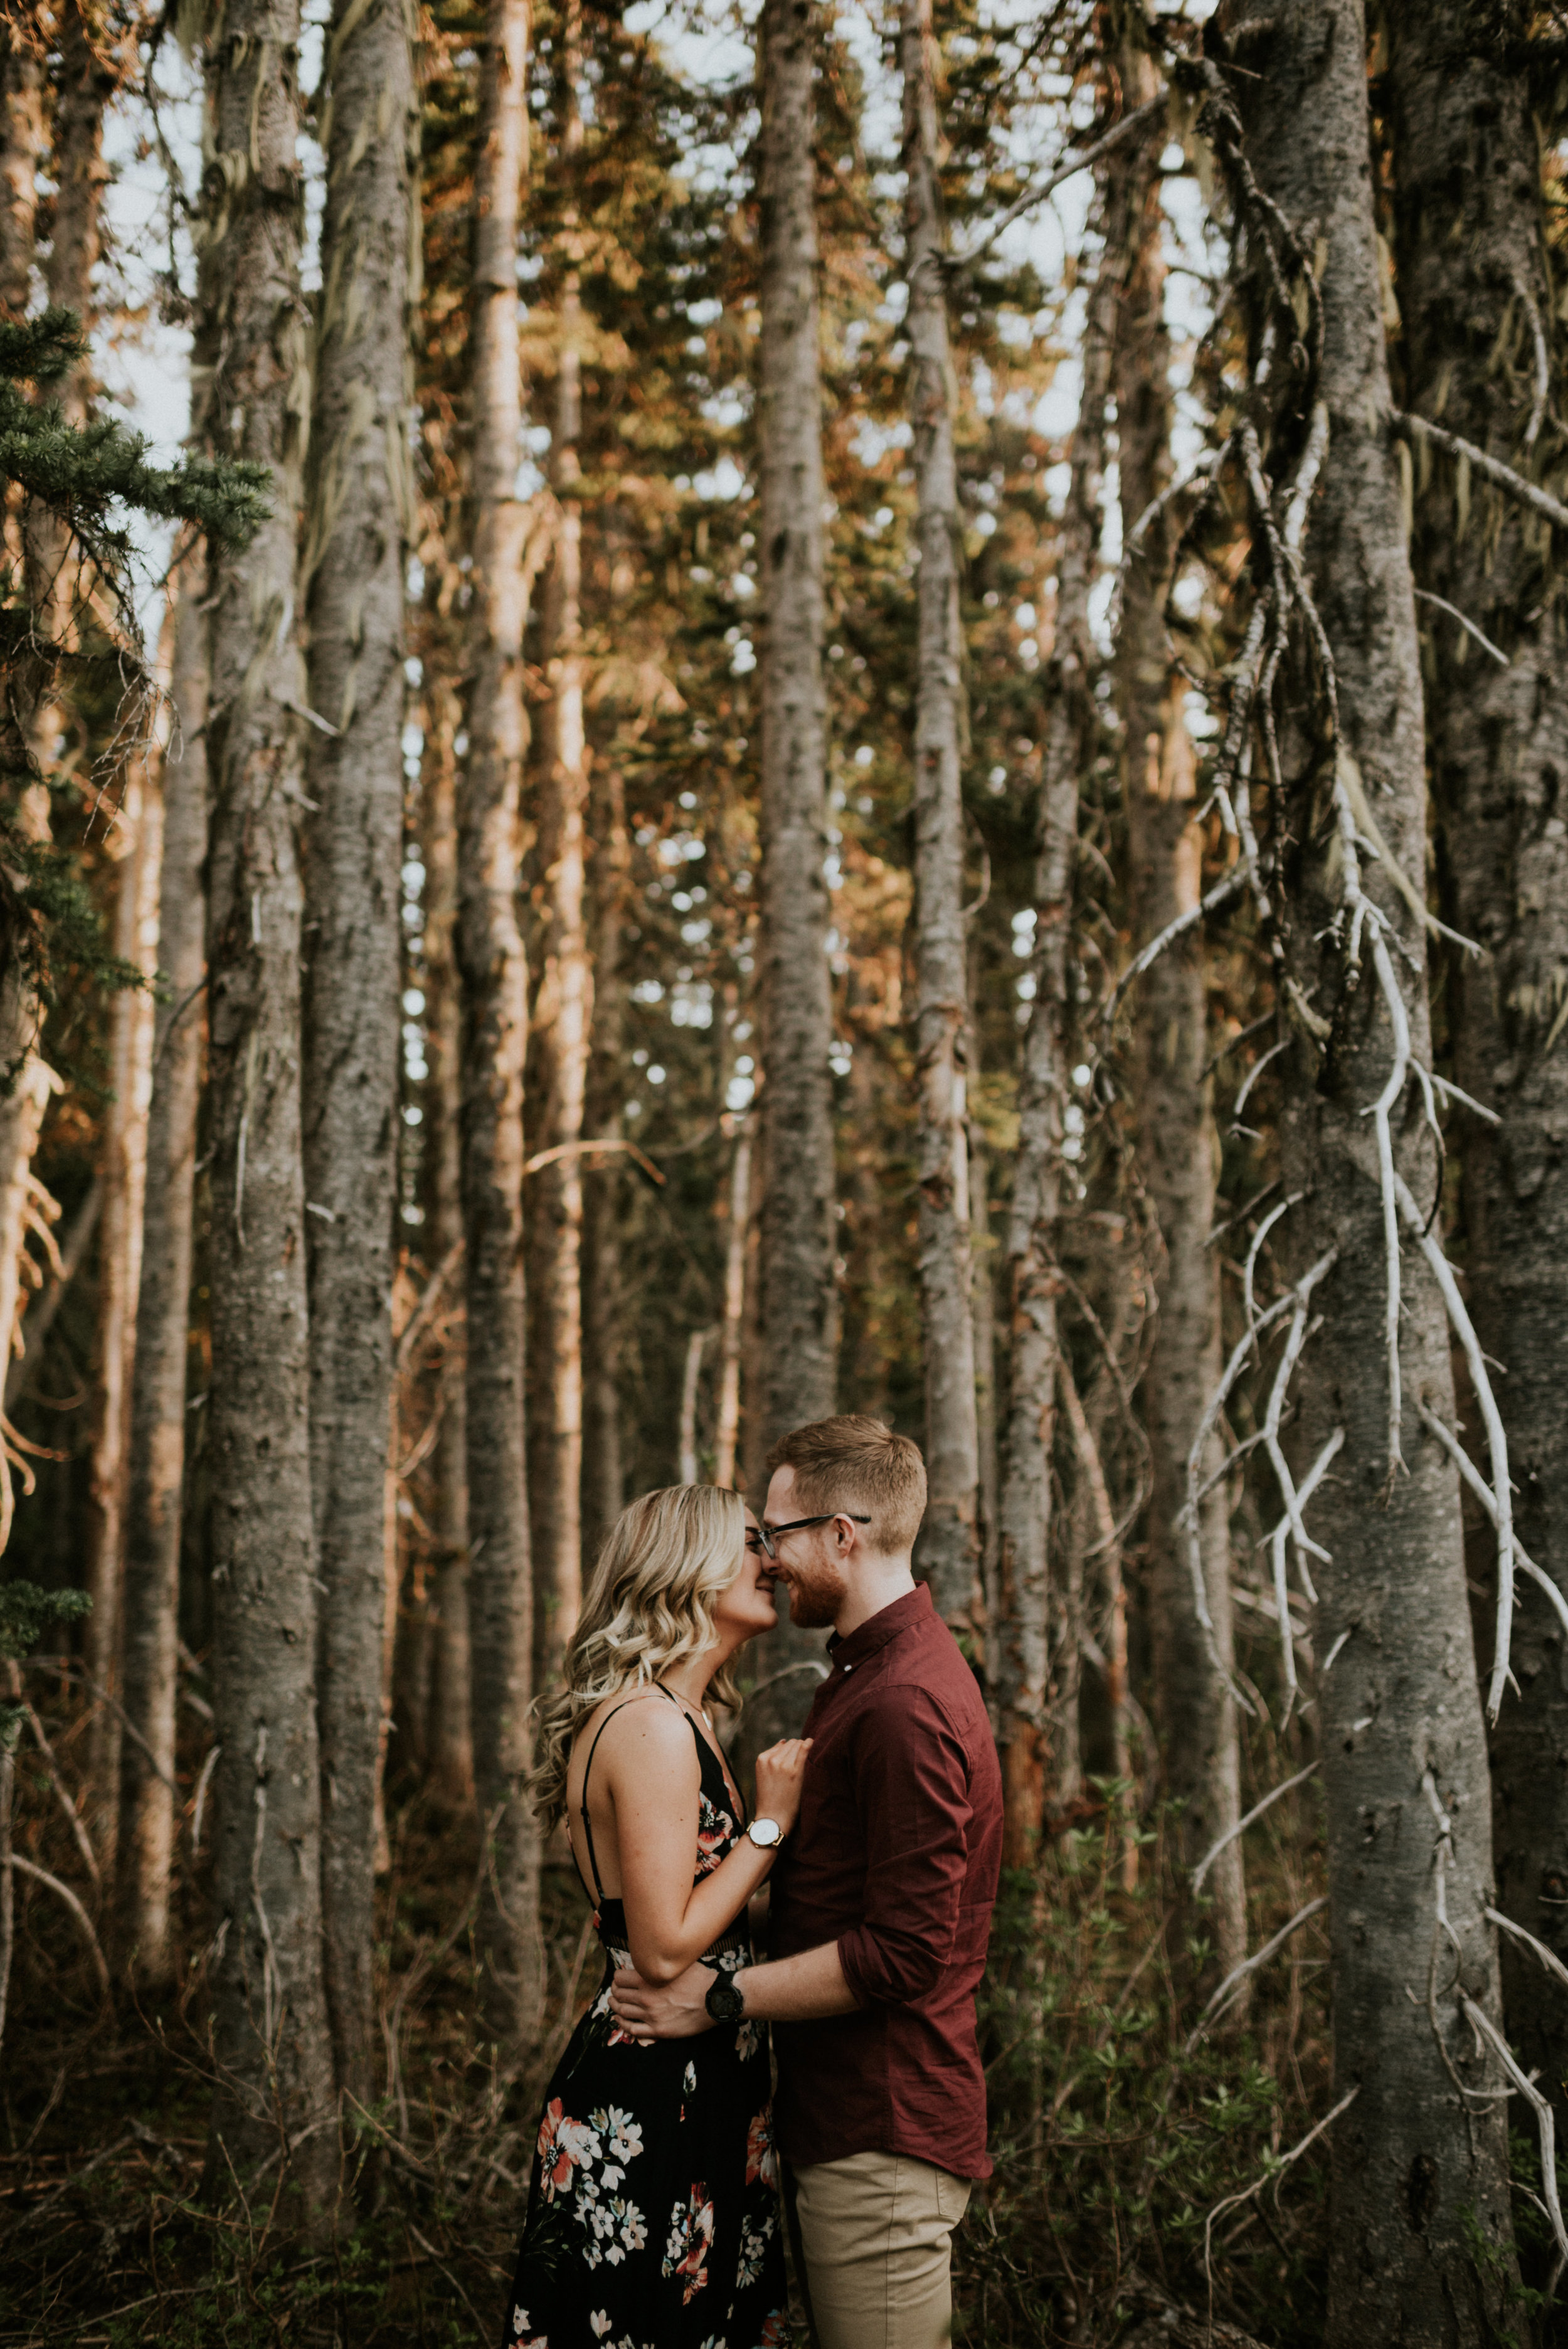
x: 873, y: 2236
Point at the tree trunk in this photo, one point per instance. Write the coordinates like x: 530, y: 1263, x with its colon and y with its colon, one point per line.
x: 1178, y: 1145
x: 1070, y: 732
x: 1476, y: 292
x: 1414, y: 2171
x: 495, y: 1020
x: 796, y: 1302
x: 982, y: 1308
x: 123, y: 1171
x: 29, y: 1081
x: 727, y: 1429
x: 603, y: 1475
x: 950, y: 1540
x: 449, y: 1737
x: 156, y: 1447
x: 21, y: 153
x: 358, y: 522
x: 564, y: 1008
x: 271, y: 2038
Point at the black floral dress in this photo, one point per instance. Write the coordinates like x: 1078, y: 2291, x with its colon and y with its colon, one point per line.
x: 653, y: 2211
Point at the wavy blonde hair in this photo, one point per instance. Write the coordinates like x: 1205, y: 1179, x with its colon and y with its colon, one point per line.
x: 669, y: 1560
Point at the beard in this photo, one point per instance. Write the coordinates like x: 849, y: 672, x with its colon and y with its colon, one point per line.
x: 816, y: 1594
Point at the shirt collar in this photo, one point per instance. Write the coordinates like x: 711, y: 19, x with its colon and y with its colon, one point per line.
x: 901, y: 1615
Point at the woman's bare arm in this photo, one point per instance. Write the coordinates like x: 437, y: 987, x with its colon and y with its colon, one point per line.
x: 652, y: 1775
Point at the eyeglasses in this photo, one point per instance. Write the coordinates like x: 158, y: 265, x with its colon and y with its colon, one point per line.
x: 763, y: 1541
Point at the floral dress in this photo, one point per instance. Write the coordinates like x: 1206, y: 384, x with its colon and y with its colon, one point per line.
x: 653, y: 2212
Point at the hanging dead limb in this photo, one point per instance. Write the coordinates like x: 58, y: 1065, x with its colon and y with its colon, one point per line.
x: 1215, y: 1848
x: 64, y: 1892
x: 1276, y: 2171
x: 1545, y: 2124
x: 1548, y: 1957
x: 1491, y: 469
x: 1423, y: 596
x: 1277, y: 1542
x: 1484, y: 1494
x: 1229, y: 1989
x: 1497, y: 1439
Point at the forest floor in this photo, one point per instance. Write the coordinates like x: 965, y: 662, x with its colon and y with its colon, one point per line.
x: 1125, y: 2148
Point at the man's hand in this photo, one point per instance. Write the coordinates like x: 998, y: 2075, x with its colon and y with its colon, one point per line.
x: 678, y: 2010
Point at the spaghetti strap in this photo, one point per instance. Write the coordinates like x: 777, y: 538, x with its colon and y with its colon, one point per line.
x: 599, y: 1893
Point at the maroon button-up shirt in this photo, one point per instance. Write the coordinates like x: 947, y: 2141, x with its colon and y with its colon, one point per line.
x: 895, y: 1857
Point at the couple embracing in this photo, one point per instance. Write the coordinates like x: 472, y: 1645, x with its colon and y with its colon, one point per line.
x: 654, y: 2217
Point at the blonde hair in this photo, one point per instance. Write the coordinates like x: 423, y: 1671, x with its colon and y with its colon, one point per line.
x: 854, y: 1462
x: 669, y: 1560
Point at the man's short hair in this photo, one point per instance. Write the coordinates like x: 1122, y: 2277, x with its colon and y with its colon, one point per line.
x: 855, y: 1463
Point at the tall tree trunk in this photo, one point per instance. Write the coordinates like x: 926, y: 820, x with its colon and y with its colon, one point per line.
x: 604, y: 1475
x: 1478, y: 306
x: 1179, y: 1147
x: 449, y: 1737
x: 1414, y: 2171
x: 727, y: 1430
x: 564, y: 1008
x: 495, y: 1007
x: 950, y: 1541
x: 156, y: 1447
x: 123, y: 1172
x: 796, y: 1302
x: 983, y: 1307
x: 358, y: 522
x: 1071, y: 725
x: 21, y: 152
x: 84, y: 86
x: 271, y: 2038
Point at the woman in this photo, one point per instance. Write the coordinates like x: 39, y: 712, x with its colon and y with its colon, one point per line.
x: 653, y: 2219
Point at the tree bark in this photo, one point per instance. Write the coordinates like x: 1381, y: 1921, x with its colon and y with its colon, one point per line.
x: 603, y: 1474
x: 123, y: 1171
x: 727, y: 1429
x: 1413, y: 2171
x: 21, y: 152
x: 495, y: 1020
x: 796, y: 1302
x: 1475, y: 291
x: 563, y: 1007
x: 271, y: 2038
x: 359, y: 519
x: 156, y: 1447
x: 950, y: 1539
x: 449, y: 1737
x: 1031, y: 1774
x: 1179, y: 1147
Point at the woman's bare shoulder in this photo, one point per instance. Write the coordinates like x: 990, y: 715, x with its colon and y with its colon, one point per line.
x: 644, y: 1730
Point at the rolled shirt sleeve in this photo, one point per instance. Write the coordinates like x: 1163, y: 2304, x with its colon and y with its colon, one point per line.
x: 912, y: 1794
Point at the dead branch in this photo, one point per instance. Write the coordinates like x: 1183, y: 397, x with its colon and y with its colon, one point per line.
x: 1231, y: 1834
x: 1230, y: 1988
x: 64, y: 1892
x: 1491, y: 469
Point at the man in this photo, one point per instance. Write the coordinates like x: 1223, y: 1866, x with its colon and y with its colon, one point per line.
x: 881, y: 1906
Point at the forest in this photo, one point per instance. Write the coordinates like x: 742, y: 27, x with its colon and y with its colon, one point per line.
x: 713, y: 713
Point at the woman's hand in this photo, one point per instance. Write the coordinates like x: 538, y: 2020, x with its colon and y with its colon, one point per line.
x: 779, y: 1772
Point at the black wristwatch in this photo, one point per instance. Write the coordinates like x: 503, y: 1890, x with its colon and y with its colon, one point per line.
x: 724, y: 2002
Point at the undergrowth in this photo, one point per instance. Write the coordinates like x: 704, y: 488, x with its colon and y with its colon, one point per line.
x: 1118, y: 2138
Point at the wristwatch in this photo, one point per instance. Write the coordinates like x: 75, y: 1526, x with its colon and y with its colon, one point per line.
x: 724, y: 2002
x: 766, y: 1833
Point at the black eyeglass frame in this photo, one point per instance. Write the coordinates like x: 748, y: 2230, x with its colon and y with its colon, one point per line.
x: 771, y: 1535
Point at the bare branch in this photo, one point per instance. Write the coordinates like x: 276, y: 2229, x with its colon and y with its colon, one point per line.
x: 1546, y: 2125
x: 1485, y: 642
x: 1548, y: 1957
x: 1485, y: 1495
x: 1275, y: 2169
x: 1215, y: 1848
x: 1140, y: 120
x: 64, y: 1892
x: 1497, y: 1438
x: 1224, y: 1996
x: 1491, y: 469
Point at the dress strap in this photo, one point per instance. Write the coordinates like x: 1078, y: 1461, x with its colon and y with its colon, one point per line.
x: 599, y: 1893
